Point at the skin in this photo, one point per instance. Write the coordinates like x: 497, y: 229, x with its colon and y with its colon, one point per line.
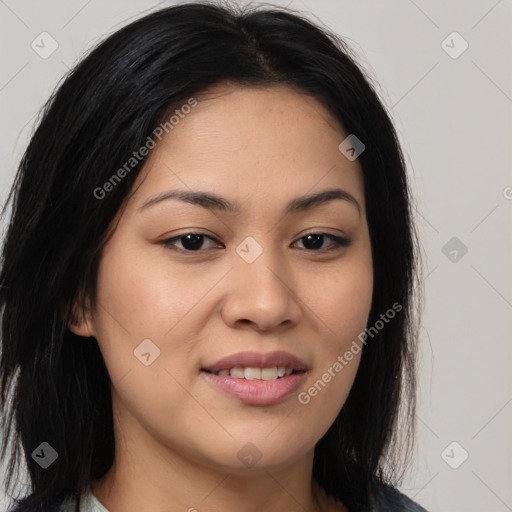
x: 177, y: 436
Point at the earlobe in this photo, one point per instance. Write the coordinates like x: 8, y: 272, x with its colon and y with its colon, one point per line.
x: 82, y: 328
x: 81, y: 322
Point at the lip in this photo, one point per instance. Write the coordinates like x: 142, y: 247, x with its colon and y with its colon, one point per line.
x: 257, y: 392
x: 257, y: 360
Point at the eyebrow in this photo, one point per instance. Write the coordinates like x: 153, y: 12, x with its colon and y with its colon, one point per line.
x: 214, y: 202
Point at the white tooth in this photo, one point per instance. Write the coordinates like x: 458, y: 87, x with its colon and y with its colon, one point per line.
x: 223, y: 372
x: 252, y: 373
x: 281, y: 371
x: 288, y: 371
x: 237, y: 372
x: 269, y: 373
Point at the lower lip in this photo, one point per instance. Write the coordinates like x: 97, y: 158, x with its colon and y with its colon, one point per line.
x: 258, y: 392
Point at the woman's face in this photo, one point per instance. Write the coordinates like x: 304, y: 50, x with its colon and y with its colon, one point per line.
x: 167, y: 312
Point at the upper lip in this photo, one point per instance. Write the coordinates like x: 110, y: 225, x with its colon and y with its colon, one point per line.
x: 257, y: 360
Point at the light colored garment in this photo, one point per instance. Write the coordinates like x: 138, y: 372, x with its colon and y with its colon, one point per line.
x: 90, y: 503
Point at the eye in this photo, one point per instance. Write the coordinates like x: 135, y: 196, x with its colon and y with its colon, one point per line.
x: 193, y: 242
x: 315, y: 240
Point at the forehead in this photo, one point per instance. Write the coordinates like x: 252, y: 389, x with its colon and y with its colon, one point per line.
x: 248, y: 143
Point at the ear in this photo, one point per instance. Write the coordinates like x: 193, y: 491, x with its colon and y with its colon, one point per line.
x: 81, y: 322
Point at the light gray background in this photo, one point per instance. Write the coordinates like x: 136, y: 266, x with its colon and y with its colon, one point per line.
x: 453, y: 117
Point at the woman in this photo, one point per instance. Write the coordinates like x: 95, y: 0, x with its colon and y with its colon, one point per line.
x: 208, y: 277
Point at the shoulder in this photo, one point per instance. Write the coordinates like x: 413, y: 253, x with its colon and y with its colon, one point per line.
x: 386, y: 498
x: 381, y: 498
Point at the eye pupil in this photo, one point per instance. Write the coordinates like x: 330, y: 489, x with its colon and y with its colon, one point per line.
x: 316, y: 238
x: 192, y: 241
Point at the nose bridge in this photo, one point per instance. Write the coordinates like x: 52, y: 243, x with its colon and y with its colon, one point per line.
x: 262, y: 292
x: 260, y: 263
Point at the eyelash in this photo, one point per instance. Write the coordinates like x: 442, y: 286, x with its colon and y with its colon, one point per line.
x: 338, y: 242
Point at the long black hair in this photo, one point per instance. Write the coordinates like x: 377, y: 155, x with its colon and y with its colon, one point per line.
x: 55, y: 387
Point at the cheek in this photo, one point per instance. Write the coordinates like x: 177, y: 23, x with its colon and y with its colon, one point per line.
x: 143, y: 297
x: 143, y: 292
x: 343, y: 305
x: 140, y: 304
x: 134, y: 304
x: 343, y: 298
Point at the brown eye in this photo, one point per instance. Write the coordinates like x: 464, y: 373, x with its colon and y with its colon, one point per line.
x: 314, y: 242
x: 191, y: 242
x: 194, y: 242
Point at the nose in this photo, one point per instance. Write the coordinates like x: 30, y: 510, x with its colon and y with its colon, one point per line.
x: 263, y: 294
